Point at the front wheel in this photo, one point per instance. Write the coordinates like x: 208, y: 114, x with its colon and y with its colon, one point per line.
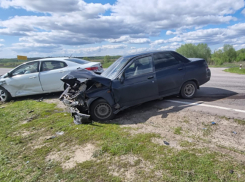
x: 101, y: 110
x: 4, y: 95
x: 188, y: 90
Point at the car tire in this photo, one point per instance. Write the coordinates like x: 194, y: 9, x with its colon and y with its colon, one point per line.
x: 188, y: 90
x: 4, y: 95
x: 101, y: 110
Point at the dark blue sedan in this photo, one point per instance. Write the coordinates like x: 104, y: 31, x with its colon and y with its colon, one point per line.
x: 131, y: 80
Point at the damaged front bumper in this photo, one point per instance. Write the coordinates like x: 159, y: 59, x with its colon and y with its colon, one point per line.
x: 75, y: 108
x: 84, y: 87
x: 80, y: 118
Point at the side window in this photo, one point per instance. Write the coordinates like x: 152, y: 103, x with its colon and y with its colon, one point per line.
x: 139, y: 67
x: 163, y: 60
x: 26, y: 69
x: 52, y: 65
x: 180, y: 57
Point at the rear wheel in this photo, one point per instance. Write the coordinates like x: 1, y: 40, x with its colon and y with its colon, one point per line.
x: 188, y: 90
x: 101, y: 110
x: 4, y: 95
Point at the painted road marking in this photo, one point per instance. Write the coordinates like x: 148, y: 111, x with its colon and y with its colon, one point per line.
x: 206, y: 105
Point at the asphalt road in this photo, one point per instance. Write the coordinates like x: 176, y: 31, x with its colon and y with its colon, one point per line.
x: 223, y: 95
x: 4, y: 70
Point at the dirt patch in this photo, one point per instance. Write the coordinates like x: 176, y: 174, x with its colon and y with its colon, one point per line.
x: 58, y: 103
x: 71, y: 156
x: 26, y: 133
x: 184, y: 128
x: 128, y: 167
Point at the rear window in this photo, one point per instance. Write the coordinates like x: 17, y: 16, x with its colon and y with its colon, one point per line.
x: 79, y: 61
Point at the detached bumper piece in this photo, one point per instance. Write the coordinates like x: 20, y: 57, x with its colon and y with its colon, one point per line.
x: 79, y: 118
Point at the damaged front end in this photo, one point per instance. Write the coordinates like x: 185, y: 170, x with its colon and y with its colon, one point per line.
x: 83, y: 87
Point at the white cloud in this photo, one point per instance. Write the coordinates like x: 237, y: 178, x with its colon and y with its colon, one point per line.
x: 138, y: 50
x: 161, y: 14
x: 243, y: 11
x: 85, y: 19
x: 75, y: 22
x: 1, y: 40
x: 238, y: 46
x: 128, y: 39
x: 231, y: 35
x: 94, y: 50
x: 171, y: 46
x: 1, y: 45
x: 54, y: 6
x: 35, y: 47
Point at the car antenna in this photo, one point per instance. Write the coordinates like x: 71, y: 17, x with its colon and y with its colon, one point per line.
x: 70, y: 56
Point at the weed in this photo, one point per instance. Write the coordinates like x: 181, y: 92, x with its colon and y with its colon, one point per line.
x: 239, y: 121
x: 178, y: 130
x: 186, y: 121
x: 185, y: 143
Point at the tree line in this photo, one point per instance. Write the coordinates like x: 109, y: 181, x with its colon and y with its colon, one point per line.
x: 218, y: 57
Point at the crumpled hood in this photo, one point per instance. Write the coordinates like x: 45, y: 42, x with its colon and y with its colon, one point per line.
x: 86, y: 74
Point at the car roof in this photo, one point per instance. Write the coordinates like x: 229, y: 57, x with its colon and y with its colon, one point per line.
x: 56, y: 58
x: 53, y: 59
x: 144, y: 53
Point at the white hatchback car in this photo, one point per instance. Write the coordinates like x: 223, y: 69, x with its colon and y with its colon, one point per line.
x: 41, y: 76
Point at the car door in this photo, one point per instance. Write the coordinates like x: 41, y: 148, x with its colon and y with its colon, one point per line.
x: 25, y: 80
x: 139, y: 83
x: 170, y: 72
x: 51, y: 73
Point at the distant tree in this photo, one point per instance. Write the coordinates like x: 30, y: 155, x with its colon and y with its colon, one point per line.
x: 107, y: 59
x: 187, y: 50
x: 198, y: 51
x: 218, y: 57
x: 86, y: 58
x: 203, y: 51
x: 240, y: 55
x: 229, y: 53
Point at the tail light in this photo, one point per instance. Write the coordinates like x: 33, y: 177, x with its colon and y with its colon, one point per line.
x: 92, y: 68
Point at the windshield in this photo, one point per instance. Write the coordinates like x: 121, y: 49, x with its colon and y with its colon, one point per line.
x: 113, y: 70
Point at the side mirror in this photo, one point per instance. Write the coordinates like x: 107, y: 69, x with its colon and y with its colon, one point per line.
x: 9, y: 74
x: 122, y: 78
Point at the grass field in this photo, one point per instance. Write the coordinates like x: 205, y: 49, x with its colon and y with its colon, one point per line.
x: 228, y: 65
x: 31, y: 150
x: 236, y: 70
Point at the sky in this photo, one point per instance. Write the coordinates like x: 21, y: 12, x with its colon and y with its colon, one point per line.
x: 38, y: 28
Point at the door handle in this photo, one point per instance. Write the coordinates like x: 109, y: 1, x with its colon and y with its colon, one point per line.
x: 180, y: 68
x: 31, y: 77
x: 61, y: 71
x: 150, y: 77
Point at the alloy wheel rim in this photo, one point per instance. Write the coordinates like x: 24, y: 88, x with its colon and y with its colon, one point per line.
x: 102, y: 111
x: 189, y: 90
x: 2, y: 95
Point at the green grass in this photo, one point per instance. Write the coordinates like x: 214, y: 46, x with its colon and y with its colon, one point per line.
x: 185, y: 143
x: 239, y: 121
x: 236, y: 70
x: 19, y: 161
x: 228, y: 65
x: 106, y: 65
x: 178, y: 130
